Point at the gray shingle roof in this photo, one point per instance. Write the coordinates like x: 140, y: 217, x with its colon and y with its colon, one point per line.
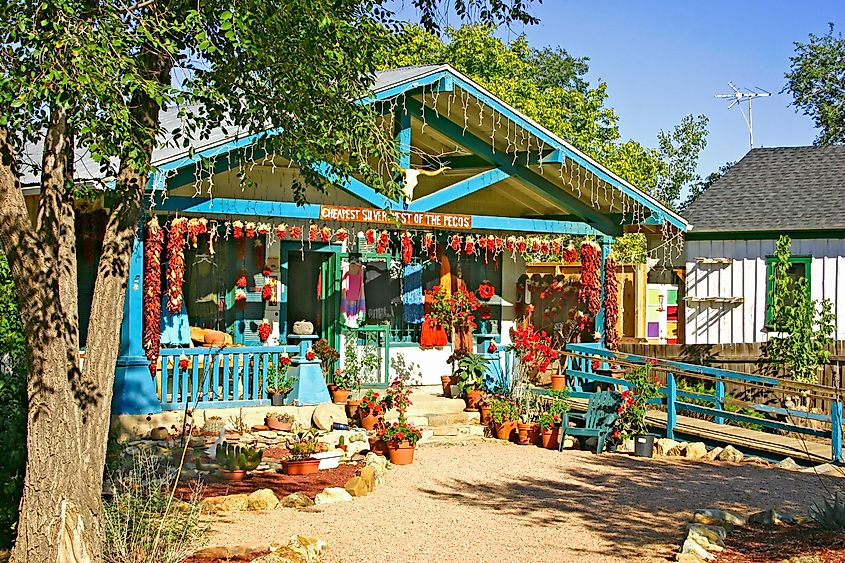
x: 776, y: 189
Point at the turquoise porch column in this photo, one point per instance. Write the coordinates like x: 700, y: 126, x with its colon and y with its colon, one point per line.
x: 606, y: 243
x: 134, y: 388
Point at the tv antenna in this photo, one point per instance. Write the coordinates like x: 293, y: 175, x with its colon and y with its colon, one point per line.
x: 737, y: 97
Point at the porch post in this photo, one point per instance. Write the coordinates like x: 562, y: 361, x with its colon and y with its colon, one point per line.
x: 605, y: 242
x: 134, y: 389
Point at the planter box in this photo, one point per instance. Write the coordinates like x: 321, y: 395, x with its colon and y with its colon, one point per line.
x: 329, y: 460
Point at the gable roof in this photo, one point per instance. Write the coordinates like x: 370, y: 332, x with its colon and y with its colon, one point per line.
x: 771, y: 189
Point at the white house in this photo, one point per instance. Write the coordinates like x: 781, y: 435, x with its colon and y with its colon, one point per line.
x: 794, y: 191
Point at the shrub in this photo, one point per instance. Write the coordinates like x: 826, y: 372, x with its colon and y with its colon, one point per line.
x: 143, y: 524
x: 13, y: 401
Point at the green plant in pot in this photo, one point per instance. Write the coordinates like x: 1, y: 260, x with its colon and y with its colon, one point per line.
x: 471, y: 371
x: 504, y: 414
x: 278, y: 382
x: 302, y: 448
x: 345, y: 382
x: 280, y: 421
x: 550, y: 419
x: 633, y: 407
x: 235, y: 461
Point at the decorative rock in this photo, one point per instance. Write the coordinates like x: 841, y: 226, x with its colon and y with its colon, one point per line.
x: 687, y: 558
x: 368, y: 475
x: 357, y: 487
x: 227, y: 503
x: 691, y: 547
x: 296, y: 500
x: 788, y: 464
x: 695, y: 450
x: 663, y: 445
x: 327, y: 414
x: 262, y: 499
x: 822, y: 469
x: 332, y: 495
x: 159, y: 433
x: 267, y: 434
x: 714, y: 453
x: 711, y: 538
x: 700, y: 518
x: 678, y: 450
x: 259, y: 427
x: 730, y: 453
x: 771, y: 517
x: 721, y: 516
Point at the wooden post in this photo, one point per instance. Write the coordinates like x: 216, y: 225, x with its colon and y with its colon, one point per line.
x: 719, y: 401
x: 671, y: 411
x: 836, y: 430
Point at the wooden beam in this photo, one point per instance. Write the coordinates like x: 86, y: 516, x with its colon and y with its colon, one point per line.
x: 504, y: 161
x: 354, y: 186
x: 458, y: 190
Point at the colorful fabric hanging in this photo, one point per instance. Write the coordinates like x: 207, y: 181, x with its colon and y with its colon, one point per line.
x: 353, y: 308
x: 413, y: 299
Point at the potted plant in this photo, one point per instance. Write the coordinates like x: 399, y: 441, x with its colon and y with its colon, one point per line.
x: 454, y: 360
x: 632, y: 410
x: 235, y: 461
x: 300, y: 460
x: 549, y: 420
x: 471, y: 370
x: 344, y: 382
x: 280, y: 421
x: 504, y: 414
x: 401, y: 436
x: 484, y: 409
x: 372, y: 409
x: 328, y: 355
x: 279, y: 383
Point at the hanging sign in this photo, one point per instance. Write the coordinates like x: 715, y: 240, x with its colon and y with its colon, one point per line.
x: 404, y: 218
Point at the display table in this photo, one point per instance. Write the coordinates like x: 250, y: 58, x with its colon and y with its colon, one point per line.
x: 310, y: 386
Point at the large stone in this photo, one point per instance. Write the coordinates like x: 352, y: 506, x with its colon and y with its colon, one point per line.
x: 714, y: 453
x: 357, y: 487
x: 711, y: 538
x: 262, y: 499
x: 663, y: 445
x: 296, y: 500
x: 695, y: 450
x: 327, y: 414
x: 822, y: 469
x: 683, y: 558
x: 368, y: 474
x: 731, y: 454
x: 700, y: 518
x: 227, y: 503
x: 788, y: 464
x: 721, y: 516
x: 678, y: 450
x: 770, y: 517
x: 332, y: 495
x: 159, y: 433
x: 691, y: 546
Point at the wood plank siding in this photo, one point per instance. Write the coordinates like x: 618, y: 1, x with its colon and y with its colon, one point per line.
x: 745, y: 276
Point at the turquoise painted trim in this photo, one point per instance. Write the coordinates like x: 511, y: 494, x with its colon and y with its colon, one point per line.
x: 606, y: 244
x: 231, y: 206
x: 550, y: 190
x: 402, y: 136
x: 354, y: 186
x: 568, y: 152
x: 836, y: 430
x: 765, y: 235
x: 458, y: 190
x: 527, y: 225
x: 397, y: 90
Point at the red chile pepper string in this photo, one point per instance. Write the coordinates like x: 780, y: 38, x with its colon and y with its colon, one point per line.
x: 590, y: 290
x: 176, y: 264
x: 152, y: 293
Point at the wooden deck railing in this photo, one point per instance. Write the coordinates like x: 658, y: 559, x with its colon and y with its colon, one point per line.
x: 579, y: 360
x: 216, y: 377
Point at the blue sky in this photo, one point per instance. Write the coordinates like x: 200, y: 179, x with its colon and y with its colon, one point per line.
x: 665, y: 59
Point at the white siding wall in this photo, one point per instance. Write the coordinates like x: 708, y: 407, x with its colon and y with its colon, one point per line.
x: 745, y: 276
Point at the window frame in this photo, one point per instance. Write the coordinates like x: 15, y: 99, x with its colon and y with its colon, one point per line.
x: 808, y: 270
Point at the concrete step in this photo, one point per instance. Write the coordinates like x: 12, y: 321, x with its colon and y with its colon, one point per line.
x: 438, y: 419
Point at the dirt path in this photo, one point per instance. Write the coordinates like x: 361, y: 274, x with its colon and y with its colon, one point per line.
x: 500, y: 502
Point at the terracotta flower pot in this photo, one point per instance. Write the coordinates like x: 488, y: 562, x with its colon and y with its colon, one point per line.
x: 453, y: 380
x: 340, y: 395
x: 503, y: 429
x: 534, y: 434
x: 352, y: 407
x: 401, y: 453
x: 445, y: 381
x: 558, y: 382
x: 473, y: 399
x: 524, y: 430
x: 274, y: 424
x: 236, y: 475
x: 368, y: 421
x: 378, y: 446
x: 550, y: 437
x: 331, y: 387
x: 486, y: 417
x: 301, y: 466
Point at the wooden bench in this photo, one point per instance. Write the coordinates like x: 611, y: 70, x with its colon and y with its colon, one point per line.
x: 598, y: 420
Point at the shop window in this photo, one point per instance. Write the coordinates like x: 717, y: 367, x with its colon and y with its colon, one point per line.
x: 799, y: 267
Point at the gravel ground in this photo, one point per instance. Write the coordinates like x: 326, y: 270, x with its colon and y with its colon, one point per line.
x: 493, y: 501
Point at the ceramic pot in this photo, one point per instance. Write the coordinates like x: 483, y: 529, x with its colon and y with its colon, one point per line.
x: 534, y: 434
x: 445, y: 381
x: 301, y: 466
x: 236, y: 475
x: 473, y: 399
x: 503, y: 429
x: 550, y: 437
x: 274, y: 424
x: 486, y: 417
x: 277, y: 400
x: 340, y: 395
x: 368, y: 421
x: 352, y: 408
x: 377, y: 446
x: 558, y: 382
x: 401, y: 453
x: 523, y: 429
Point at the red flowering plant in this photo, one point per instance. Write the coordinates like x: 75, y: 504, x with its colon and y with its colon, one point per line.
x: 373, y: 403
x: 242, y: 281
x: 398, y: 395
x: 553, y: 415
x: 462, y: 305
x: 486, y: 290
x: 635, y: 400
x: 440, y: 312
x: 278, y: 380
x: 533, y: 348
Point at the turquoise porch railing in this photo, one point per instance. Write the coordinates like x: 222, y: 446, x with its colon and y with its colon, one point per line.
x: 579, y: 366
x: 228, y: 376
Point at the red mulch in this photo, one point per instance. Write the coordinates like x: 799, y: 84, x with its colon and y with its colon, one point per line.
x: 281, y: 484
x: 232, y: 559
x: 756, y: 545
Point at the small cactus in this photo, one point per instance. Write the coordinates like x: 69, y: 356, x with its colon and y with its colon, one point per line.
x: 830, y: 513
x: 235, y: 458
x: 213, y: 425
x: 341, y: 441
